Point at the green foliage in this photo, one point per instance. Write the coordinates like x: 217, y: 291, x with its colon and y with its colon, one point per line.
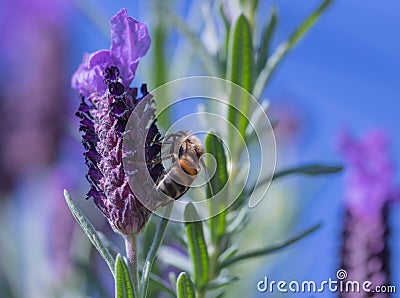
x: 215, y: 146
x: 197, y: 247
x: 123, y: 283
x: 266, y: 38
x: 240, y: 70
x: 151, y: 255
x: 185, y: 287
x: 267, y: 250
x: 90, y: 231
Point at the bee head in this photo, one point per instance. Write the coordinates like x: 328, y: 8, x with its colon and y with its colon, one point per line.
x: 190, y: 152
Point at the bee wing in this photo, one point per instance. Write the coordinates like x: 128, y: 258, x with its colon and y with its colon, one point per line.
x: 140, y: 126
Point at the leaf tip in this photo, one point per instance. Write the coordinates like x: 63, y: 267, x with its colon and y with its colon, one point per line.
x: 66, y: 194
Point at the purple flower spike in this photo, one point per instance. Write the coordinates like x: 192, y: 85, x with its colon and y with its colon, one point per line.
x: 369, y: 173
x: 130, y: 41
x: 369, y: 190
x: 107, y: 102
x: 103, y: 121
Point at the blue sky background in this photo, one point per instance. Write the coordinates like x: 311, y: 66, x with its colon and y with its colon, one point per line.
x: 343, y: 74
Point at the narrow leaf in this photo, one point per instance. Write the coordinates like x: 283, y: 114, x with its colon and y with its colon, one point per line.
x: 184, y: 286
x: 250, y: 8
x: 283, y: 49
x: 238, y: 222
x: 90, y: 231
x: 312, y: 169
x: 214, y: 146
x: 123, y: 283
x: 197, y: 246
x: 151, y: 256
x: 266, y: 37
x: 224, y: 50
x: 160, y: 65
x: 269, y: 249
x: 240, y: 71
x: 228, y: 253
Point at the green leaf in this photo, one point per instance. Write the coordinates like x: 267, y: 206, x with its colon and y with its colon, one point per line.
x: 249, y: 7
x: 238, y: 221
x: 184, y: 286
x: 257, y: 115
x: 228, y: 253
x: 268, y: 249
x: 197, y: 247
x: 151, y: 256
x: 90, y: 231
x: 283, y: 49
x: 240, y: 67
x: 160, y: 64
x: 123, y: 283
x: 266, y: 37
x: 309, y: 170
x: 214, y: 146
x: 223, y: 54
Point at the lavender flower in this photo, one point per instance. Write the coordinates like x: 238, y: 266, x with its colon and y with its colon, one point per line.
x: 103, y: 80
x: 32, y: 91
x: 369, y: 190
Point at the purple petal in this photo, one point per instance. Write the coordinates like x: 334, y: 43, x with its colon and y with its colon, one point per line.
x: 89, y: 77
x: 130, y: 42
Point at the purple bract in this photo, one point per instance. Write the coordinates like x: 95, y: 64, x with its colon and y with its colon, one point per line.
x: 130, y: 41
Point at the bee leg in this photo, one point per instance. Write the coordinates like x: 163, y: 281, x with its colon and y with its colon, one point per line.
x: 160, y: 143
x: 160, y: 159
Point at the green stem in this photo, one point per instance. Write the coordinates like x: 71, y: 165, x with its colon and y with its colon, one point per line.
x: 158, y: 239
x: 131, y: 254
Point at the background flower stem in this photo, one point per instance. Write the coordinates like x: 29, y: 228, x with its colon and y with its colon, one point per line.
x: 131, y: 254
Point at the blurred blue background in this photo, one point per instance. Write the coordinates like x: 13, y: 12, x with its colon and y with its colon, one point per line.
x: 343, y: 75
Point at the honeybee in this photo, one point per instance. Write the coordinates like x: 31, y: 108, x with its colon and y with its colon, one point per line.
x: 185, y: 153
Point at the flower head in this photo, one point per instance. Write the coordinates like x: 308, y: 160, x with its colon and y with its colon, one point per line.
x: 369, y: 190
x: 106, y: 105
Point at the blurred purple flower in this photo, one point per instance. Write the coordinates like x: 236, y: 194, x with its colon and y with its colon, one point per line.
x: 369, y: 174
x: 130, y: 41
x: 32, y: 90
x: 60, y: 223
x: 369, y: 190
x: 104, y: 77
